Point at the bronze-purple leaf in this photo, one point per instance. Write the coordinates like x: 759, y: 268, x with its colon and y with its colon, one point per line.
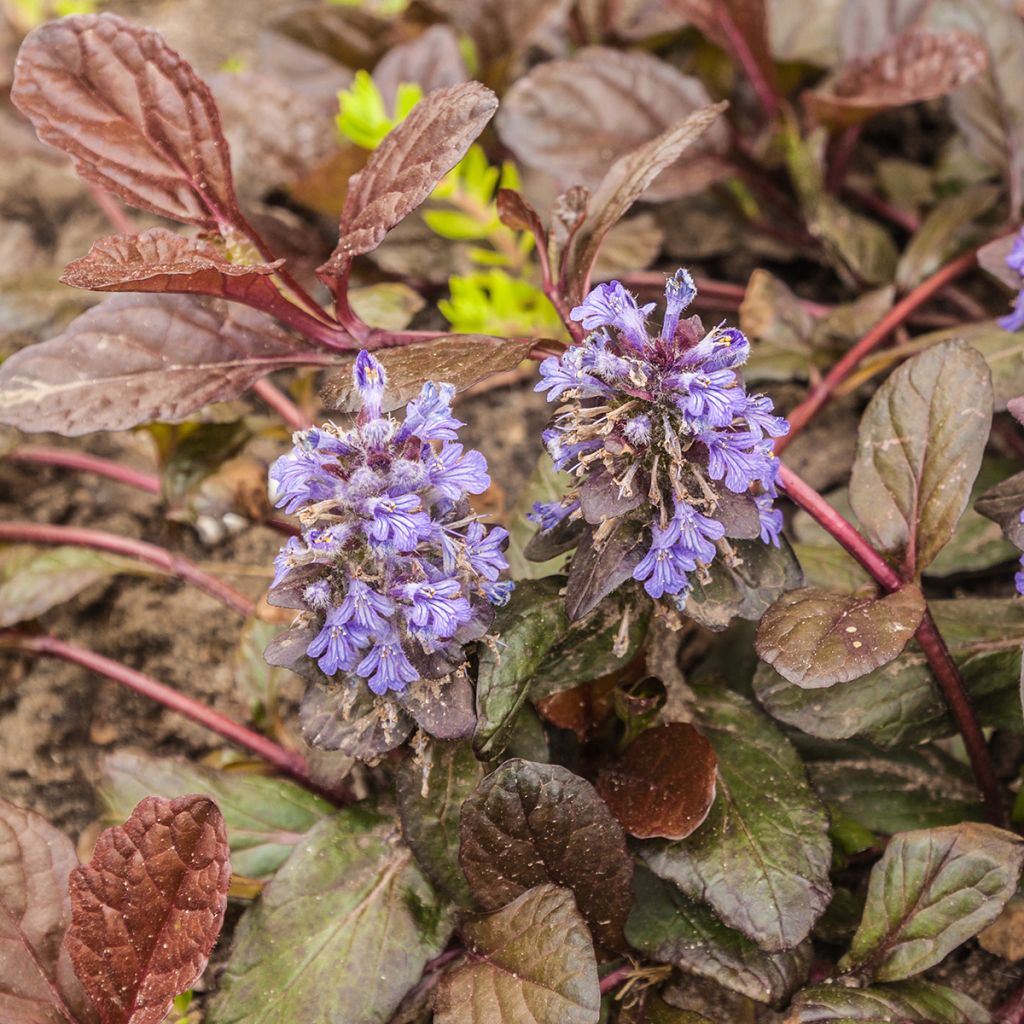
x: 664, y: 784
x: 918, y: 66
x: 432, y: 60
x: 36, y: 980
x: 131, y: 113
x: 412, y: 159
x: 147, y: 909
x: 158, y: 260
x: 137, y: 358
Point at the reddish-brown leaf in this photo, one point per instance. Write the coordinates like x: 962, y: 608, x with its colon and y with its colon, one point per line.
x: 432, y: 60
x: 918, y: 66
x: 147, y: 909
x: 158, y: 260
x: 412, y: 159
x: 131, y: 113
x: 35, y: 861
x: 664, y: 785
x: 137, y: 358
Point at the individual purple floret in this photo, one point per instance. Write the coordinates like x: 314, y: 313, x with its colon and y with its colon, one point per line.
x: 1018, y: 576
x: 666, y: 419
x: 1014, y: 320
x: 393, y: 569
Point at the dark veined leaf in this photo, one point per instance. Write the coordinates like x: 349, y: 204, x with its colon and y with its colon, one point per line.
x: 136, y: 358
x: 625, y: 181
x: 1003, y: 504
x: 131, y: 113
x: 431, y: 789
x: 761, y: 859
x: 34, y: 580
x: 155, y: 891
x: 604, y: 560
x: 459, y: 359
x: 529, y: 823
x: 404, y: 169
x: 158, y: 260
x: 910, y: 1002
x: 265, y: 816
x: 669, y: 927
x: 917, y: 66
x: 571, y: 118
x: 931, y: 891
x: 35, y: 910
x: 529, y: 625
x: 922, y: 438
x: 342, y: 931
x: 817, y: 638
x: 432, y: 60
x: 663, y: 786
x: 889, y: 792
x: 900, y: 702
x: 531, y: 962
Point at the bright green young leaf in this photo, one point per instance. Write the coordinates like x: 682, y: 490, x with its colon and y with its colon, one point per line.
x: 815, y: 638
x: 910, y: 1002
x: 362, y: 115
x: 931, y: 891
x: 431, y: 789
x: 668, y: 927
x: 529, y: 626
x: 921, y: 442
x: 531, y: 962
x: 762, y: 857
x: 494, y: 302
x: 342, y: 932
x: 266, y: 817
x: 34, y: 580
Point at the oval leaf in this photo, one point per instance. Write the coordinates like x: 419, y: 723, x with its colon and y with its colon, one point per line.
x: 131, y: 113
x: 909, y: 1002
x: 921, y: 439
x: 817, y: 638
x: 931, y: 891
x: 341, y: 933
x: 133, y: 359
x: 147, y: 909
x: 412, y: 159
x: 532, y: 823
x: 35, y: 861
x: 531, y: 962
x: 664, y: 785
x: 762, y: 864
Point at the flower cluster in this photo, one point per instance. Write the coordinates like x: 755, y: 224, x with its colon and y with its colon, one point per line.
x: 1014, y: 320
x: 668, y: 422
x: 397, y: 572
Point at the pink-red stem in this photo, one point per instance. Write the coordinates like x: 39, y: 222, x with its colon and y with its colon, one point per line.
x: 288, y: 762
x: 615, y: 978
x: 168, y: 561
x: 821, y: 393
x: 941, y: 662
x: 280, y: 403
x: 43, y: 455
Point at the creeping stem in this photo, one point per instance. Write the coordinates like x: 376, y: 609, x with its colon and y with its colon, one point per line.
x: 168, y: 561
x: 945, y: 670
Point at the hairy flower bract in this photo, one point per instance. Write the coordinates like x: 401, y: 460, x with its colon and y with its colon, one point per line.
x: 660, y: 429
x: 393, y: 567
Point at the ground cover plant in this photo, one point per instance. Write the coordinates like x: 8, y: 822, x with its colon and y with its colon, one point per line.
x: 713, y: 711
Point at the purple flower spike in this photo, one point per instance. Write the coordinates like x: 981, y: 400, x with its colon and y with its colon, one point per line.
x: 610, y: 305
x: 390, y: 567
x: 679, y: 293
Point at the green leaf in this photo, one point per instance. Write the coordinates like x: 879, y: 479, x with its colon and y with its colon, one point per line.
x: 921, y: 442
x: 669, y: 927
x: 265, y: 816
x: 909, y: 1002
x: 856, y: 243
x: 528, y: 627
x: 889, y: 792
x: 829, y: 567
x: 254, y: 676
x: 900, y: 703
x: 943, y: 233
x: 745, y: 589
x: 531, y: 823
x: 389, y: 305
x: 931, y: 891
x: 762, y: 857
x: 815, y: 638
x: 34, y: 580
x: 545, y: 484
x: 342, y: 932
x: 600, y: 643
x: 531, y: 962
x: 1002, y: 503
x: 431, y: 790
